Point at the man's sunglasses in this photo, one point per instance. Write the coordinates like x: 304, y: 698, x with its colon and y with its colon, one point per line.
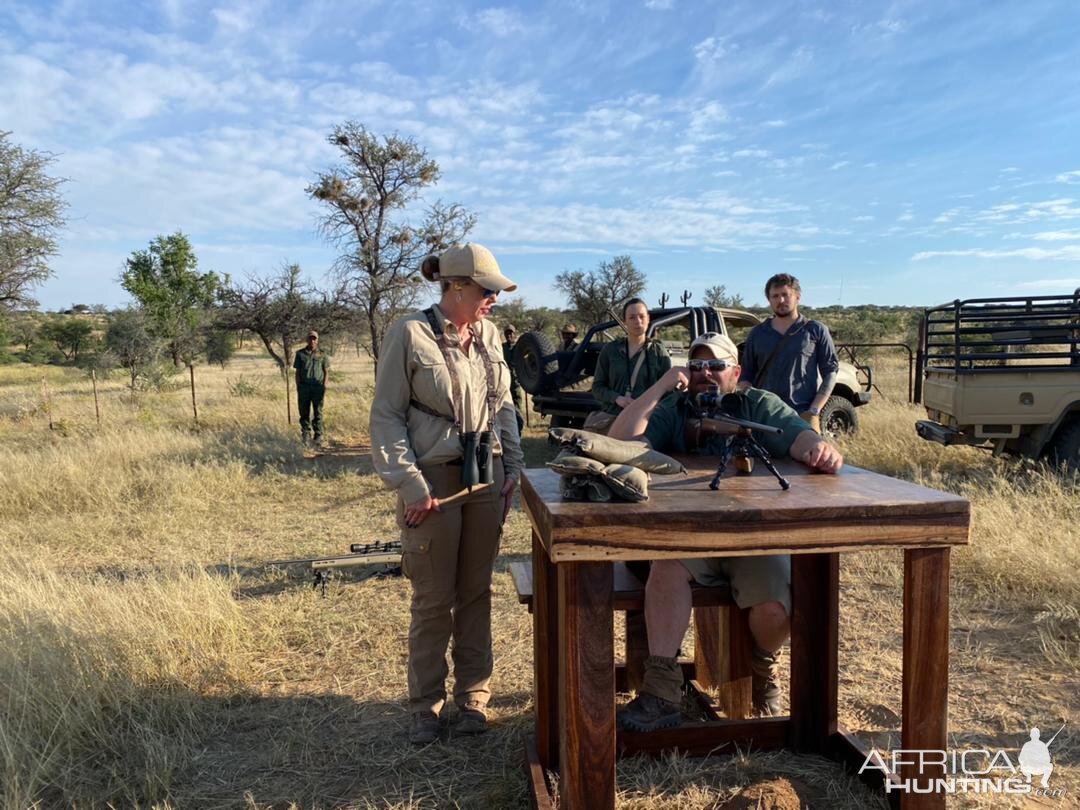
x: 711, y: 364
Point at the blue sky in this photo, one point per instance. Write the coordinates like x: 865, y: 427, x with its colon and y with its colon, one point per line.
x: 891, y: 153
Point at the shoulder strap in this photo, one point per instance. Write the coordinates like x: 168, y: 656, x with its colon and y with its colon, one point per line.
x: 637, y: 366
x: 489, y: 372
x: 795, y: 328
x: 455, y: 385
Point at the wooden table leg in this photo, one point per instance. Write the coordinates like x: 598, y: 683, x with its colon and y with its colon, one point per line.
x: 815, y: 590
x: 924, y: 704
x: 545, y: 655
x: 586, y: 687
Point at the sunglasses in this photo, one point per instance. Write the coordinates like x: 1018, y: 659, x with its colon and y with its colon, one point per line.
x: 712, y: 365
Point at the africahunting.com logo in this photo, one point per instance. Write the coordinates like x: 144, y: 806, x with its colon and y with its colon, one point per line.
x: 970, y: 770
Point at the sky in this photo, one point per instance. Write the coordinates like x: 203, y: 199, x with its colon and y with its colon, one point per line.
x: 900, y: 153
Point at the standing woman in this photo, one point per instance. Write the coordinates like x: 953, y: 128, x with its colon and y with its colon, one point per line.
x: 626, y: 367
x: 444, y: 436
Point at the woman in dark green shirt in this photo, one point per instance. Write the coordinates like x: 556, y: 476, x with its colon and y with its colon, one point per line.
x: 629, y: 365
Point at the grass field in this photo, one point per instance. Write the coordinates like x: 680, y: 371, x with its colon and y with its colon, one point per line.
x: 150, y: 658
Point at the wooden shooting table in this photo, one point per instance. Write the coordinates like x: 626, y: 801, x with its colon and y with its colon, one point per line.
x: 575, y: 544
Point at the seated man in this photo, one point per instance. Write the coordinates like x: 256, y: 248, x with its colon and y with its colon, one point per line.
x: 762, y: 584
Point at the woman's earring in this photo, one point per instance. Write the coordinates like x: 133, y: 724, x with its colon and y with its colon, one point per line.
x: 459, y: 298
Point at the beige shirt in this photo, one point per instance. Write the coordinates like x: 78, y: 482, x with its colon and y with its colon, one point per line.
x: 411, y: 366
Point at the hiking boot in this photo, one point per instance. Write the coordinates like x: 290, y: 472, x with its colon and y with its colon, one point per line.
x: 472, y: 719
x: 318, y: 443
x: 765, y: 682
x: 648, y: 713
x: 424, y: 728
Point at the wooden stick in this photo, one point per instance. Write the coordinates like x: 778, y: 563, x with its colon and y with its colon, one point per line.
x: 194, y: 407
x: 93, y: 381
x: 48, y: 402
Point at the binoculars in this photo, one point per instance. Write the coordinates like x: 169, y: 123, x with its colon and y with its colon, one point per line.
x: 477, y: 460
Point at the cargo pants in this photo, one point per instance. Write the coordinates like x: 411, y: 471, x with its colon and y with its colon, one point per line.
x: 448, y: 559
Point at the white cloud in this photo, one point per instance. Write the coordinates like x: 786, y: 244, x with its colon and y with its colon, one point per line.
x: 1057, y: 236
x: 1069, y: 177
x: 839, y: 165
x: 500, y: 21
x: 747, y: 153
x: 864, y: 218
x: 711, y: 49
x: 907, y: 216
x: 1067, y: 253
x: 660, y: 5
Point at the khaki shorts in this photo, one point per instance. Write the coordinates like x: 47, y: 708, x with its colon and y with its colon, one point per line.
x: 753, y: 580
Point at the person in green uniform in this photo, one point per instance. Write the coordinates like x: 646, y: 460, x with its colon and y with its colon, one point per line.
x: 312, y: 366
x: 626, y: 366
x: 516, y: 392
x: 760, y: 584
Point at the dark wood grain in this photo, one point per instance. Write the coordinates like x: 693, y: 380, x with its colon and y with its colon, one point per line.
x: 925, y: 690
x: 545, y: 655
x: 722, y: 649
x: 539, y: 792
x: 702, y: 739
x: 815, y: 585
x: 748, y: 515
x: 586, y: 688
x: 637, y: 648
x: 846, y: 748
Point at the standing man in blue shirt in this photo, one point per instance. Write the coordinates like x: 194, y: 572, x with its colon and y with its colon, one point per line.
x: 787, y: 353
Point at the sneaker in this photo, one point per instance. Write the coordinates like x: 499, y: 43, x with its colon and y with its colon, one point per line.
x: 648, y: 713
x: 424, y: 728
x: 472, y: 719
x: 765, y: 683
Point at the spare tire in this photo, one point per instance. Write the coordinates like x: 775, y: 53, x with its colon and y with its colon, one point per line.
x: 535, y: 363
x: 838, y: 416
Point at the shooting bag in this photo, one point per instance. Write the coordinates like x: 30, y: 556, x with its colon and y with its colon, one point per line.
x: 600, y: 469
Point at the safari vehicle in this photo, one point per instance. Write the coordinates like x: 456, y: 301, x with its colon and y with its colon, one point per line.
x: 1003, y: 373
x: 559, y: 381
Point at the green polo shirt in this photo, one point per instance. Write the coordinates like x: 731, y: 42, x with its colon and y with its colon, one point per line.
x: 311, y: 365
x: 667, y: 425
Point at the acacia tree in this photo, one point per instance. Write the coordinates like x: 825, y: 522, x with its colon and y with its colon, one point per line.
x: 280, y: 310
x: 717, y: 296
x: 31, y: 215
x: 365, y: 198
x: 165, y: 280
x: 130, y: 341
x: 593, y: 292
x: 69, y: 334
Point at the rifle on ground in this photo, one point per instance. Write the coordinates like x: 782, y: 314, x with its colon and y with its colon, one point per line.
x: 387, y: 553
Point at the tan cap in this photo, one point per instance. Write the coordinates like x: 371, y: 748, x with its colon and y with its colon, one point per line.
x: 720, y: 345
x: 313, y: 334
x: 471, y: 261
x: 568, y: 328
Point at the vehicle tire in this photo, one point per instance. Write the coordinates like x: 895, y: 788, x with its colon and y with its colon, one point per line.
x: 535, y: 363
x: 838, y: 416
x: 1065, y: 448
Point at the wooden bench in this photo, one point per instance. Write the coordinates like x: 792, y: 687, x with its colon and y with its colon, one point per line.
x: 722, y: 640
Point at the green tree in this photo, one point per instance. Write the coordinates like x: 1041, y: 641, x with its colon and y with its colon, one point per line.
x: 365, y: 199
x: 218, y: 346
x: 165, y: 280
x: 69, y: 334
x: 718, y: 297
x: 130, y: 340
x: 593, y: 293
x: 31, y: 216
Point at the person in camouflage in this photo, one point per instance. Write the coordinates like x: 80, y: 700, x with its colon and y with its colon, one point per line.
x: 312, y: 373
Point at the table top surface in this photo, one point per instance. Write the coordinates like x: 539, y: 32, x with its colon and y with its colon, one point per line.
x: 856, y: 509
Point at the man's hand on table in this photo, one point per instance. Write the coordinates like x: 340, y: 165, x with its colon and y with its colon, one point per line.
x: 816, y: 453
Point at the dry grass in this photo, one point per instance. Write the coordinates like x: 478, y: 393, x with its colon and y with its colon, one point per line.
x: 148, y: 657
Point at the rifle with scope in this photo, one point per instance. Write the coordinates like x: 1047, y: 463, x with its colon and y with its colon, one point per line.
x: 715, y: 415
